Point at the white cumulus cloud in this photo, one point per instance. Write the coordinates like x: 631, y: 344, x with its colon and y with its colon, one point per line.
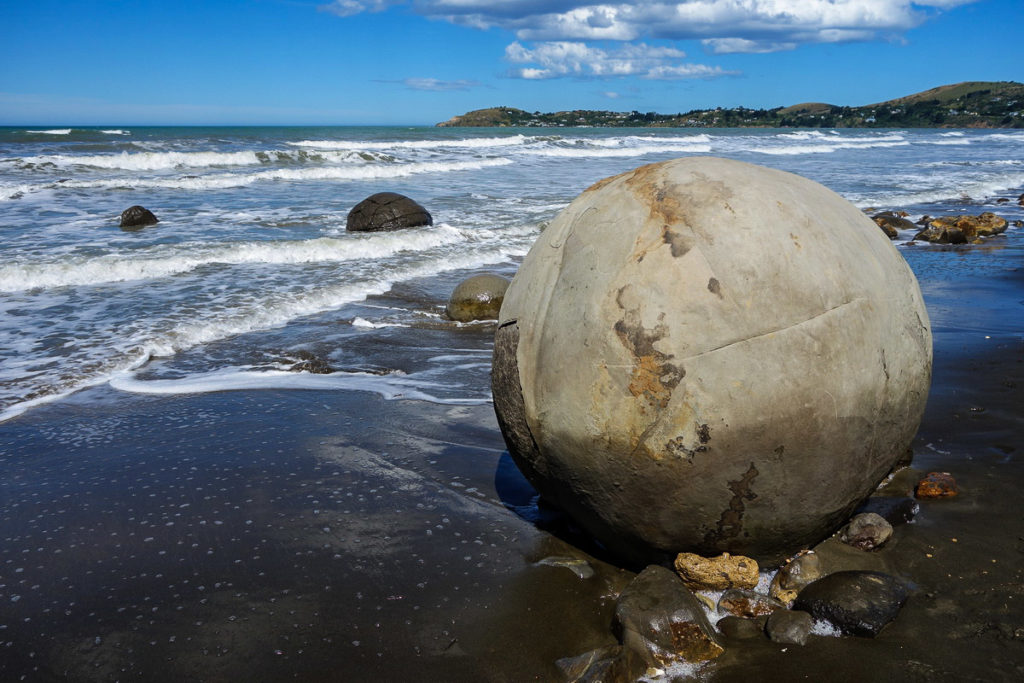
x: 764, y: 25
x: 561, y: 30
x: 569, y: 58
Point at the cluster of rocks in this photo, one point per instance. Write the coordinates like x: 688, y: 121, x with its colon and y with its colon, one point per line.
x: 960, y: 229
x: 665, y: 619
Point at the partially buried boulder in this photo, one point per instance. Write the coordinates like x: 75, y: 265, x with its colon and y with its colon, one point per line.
x: 694, y: 356
x: 477, y: 298
x: 386, y: 211
x: 136, y: 217
x: 962, y: 229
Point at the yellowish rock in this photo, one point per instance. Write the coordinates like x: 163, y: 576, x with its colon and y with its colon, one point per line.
x: 794, y: 575
x: 717, y: 573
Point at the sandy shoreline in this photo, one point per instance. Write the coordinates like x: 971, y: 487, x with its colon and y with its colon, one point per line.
x: 273, y: 535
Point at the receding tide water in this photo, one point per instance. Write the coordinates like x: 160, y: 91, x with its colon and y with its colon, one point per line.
x: 277, y: 533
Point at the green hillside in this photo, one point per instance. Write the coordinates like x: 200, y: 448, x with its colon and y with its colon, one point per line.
x: 974, y: 104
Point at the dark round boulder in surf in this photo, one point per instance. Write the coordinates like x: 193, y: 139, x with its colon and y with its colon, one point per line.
x: 135, y: 217
x: 386, y: 211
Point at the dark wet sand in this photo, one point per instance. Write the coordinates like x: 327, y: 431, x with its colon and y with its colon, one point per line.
x: 335, y: 536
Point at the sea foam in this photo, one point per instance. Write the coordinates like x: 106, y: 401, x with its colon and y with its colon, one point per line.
x: 468, y: 143
x: 229, y: 180
x: 168, y: 260
x: 162, y: 161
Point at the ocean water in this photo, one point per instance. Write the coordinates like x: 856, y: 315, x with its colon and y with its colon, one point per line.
x: 250, y: 268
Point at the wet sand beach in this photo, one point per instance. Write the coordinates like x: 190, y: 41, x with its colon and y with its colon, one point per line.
x: 335, y: 535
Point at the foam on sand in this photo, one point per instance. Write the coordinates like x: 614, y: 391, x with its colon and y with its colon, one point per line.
x: 390, y: 386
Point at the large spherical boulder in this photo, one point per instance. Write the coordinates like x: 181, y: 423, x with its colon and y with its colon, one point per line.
x: 137, y: 217
x: 705, y: 355
x: 386, y: 211
x: 477, y: 298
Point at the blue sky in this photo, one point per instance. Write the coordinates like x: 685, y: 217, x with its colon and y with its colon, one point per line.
x: 422, y: 61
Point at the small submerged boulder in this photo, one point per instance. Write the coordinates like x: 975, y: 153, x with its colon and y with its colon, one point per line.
x: 135, y: 217
x: 386, y: 211
x: 477, y: 298
x: 307, y: 361
x: 858, y: 603
x: 717, y: 573
x: 937, y: 485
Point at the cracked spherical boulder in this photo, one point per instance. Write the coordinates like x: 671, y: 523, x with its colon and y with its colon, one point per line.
x: 703, y: 355
x: 386, y: 211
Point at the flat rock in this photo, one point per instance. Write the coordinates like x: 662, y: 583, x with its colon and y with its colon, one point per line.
x: 386, y: 211
x: 858, y: 603
x: 717, y: 573
x: 659, y: 618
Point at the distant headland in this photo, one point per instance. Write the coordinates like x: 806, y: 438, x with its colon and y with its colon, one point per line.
x: 974, y: 104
